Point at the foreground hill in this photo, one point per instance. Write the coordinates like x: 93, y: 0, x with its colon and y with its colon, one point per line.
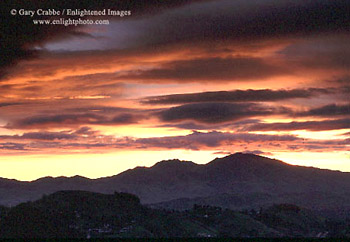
x: 238, y: 181
x: 80, y: 214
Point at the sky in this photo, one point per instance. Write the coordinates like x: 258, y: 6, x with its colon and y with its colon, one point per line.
x: 191, y: 80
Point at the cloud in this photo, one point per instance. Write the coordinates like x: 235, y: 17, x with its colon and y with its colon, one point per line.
x: 342, y: 81
x: 12, y: 146
x: 216, y: 112
x: 158, y: 25
x: 261, y: 95
x: 211, y: 42
x: 42, y: 141
x: 247, y: 21
x: 321, y: 145
x: 101, y: 109
x: 321, y: 52
x: 19, y: 35
x: 41, y: 136
x: 125, y: 118
x: 328, y: 110
x: 257, y: 152
x: 61, y: 119
x: 48, y: 136
x: 66, y: 120
x: 308, y: 125
x: 213, y: 139
x: 85, y: 131
x: 192, y: 125
x: 85, y: 139
x: 206, y: 69
x: 5, y: 104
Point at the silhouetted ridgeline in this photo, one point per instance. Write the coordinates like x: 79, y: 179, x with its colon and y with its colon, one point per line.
x: 80, y: 214
x: 239, y: 181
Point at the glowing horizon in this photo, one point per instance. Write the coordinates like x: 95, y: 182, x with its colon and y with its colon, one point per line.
x: 98, y: 100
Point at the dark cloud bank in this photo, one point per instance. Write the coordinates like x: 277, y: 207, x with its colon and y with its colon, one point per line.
x: 18, y: 34
x: 262, y: 95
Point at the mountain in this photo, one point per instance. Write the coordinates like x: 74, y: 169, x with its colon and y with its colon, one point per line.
x: 237, y: 181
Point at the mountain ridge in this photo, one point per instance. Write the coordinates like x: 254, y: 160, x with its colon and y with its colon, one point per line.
x: 247, y: 176
x: 168, y: 161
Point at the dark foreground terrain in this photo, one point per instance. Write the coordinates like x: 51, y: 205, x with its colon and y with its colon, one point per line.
x: 80, y: 214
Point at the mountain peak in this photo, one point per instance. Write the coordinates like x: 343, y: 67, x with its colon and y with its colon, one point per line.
x: 50, y: 179
x: 240, y: 159
x: 173, y: 163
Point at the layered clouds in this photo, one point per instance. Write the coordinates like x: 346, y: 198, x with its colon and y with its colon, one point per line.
x: 221, y: 76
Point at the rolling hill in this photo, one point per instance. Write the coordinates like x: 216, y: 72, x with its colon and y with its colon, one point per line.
x: 81, y: 214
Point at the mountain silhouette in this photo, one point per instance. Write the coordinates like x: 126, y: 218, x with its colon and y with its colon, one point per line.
x: 237, y: 181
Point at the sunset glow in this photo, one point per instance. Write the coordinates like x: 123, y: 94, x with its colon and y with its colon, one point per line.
x: 227, y: 77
